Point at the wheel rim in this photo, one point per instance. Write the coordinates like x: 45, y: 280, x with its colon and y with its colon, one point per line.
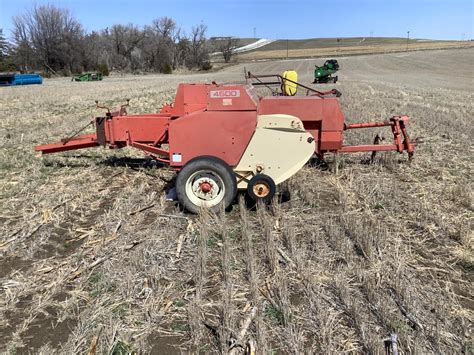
x: 205, y: 188
x: 261, y: 189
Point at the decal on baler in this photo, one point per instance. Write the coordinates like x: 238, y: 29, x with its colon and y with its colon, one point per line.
x: 176, y: 158
x: 221, y: 94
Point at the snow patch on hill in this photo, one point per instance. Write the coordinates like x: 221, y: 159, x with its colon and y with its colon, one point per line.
x: 258, y: 44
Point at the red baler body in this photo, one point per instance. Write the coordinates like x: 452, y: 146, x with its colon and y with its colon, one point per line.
x: 219, y: 120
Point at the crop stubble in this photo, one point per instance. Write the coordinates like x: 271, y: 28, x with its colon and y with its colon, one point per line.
x: 89, y: 246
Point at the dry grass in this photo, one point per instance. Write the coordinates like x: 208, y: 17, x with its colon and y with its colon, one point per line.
x: 322, y: 51
x: 94, y: 258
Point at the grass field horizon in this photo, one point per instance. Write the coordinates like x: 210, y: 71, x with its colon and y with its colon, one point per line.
x: 320, y: 47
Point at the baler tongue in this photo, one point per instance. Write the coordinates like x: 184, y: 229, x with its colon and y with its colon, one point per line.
x: 78, y: 142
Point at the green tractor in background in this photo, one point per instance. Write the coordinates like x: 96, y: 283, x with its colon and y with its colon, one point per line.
x: 88, y: 77
x: 323, y: 74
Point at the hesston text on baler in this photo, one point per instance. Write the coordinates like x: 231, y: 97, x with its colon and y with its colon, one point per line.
x: 225, y: 138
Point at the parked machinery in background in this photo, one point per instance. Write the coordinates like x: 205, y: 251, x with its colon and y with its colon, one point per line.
x: 323, y: 74
x: 88, y: 77
x: 20, y: 79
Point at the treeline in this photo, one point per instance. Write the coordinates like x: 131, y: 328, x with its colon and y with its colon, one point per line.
x: 51, y: 40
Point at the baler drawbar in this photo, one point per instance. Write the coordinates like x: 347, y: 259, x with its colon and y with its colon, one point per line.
x: 225, y: 138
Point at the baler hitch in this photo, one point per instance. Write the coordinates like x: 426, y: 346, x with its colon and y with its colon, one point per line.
x: 399, y: 131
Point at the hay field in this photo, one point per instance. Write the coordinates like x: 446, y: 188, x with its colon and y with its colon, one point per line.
x: 93, y: 258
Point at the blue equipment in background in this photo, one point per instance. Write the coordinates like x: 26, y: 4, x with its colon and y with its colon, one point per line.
x: 20, y: 79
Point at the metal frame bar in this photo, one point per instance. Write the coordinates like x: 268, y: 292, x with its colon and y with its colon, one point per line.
x: 153, y: 150
x: 79, y: 142
x: 398, y: 127
x: 280, y: 81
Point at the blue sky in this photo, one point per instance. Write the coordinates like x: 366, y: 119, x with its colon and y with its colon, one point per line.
x: 435, y: 19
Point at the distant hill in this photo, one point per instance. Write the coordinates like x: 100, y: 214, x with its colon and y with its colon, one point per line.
x: 335, y: 42
x: 320, y: 47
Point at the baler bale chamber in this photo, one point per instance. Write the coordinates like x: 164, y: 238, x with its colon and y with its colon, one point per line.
x: 225, y: 138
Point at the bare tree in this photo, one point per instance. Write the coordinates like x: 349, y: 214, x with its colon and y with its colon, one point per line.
x: 5, y: 60
x: 49, y: 36
x: 169, y: 35
x: 23, y: 52
x: 199, y: 51
x: 3, y: 45
x: 225, y: 45
x: 183, y: 49
x: 124, y: 43
x: 166, y: 27
x: 94, y: 51
x: 160, y: 45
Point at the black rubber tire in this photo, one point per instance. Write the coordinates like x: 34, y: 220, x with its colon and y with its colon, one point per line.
x: 335, y: 79
x: 212, y: 164
x: 261, y: 179
x: 317, y: 162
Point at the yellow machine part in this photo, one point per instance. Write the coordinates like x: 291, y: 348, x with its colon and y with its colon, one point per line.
x: 289, y: 88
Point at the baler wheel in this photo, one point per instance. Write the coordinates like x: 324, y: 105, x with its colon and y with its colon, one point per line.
x: 206, y: 182
x: 261, y: 188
